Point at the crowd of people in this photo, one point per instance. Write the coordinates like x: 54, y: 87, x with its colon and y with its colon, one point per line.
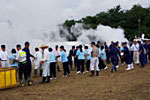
x: 93, y: 58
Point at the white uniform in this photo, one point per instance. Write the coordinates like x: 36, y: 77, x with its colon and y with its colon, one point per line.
x: 38, y: 56
x: 135, y: 49
x: 45, y: 65
x: 4, y: 59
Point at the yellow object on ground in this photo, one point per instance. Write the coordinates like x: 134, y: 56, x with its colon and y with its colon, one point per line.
x: 7, y: 78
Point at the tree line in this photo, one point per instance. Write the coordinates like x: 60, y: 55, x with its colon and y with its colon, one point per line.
x: 135, y: 21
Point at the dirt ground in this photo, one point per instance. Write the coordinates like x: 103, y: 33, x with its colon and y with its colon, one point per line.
x: 122, y: 85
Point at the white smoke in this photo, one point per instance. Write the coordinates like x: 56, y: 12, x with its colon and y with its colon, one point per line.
x: 102, y: 33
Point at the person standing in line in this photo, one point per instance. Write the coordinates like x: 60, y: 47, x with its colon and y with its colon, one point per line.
x: 57, y: 54
x: 71, y: 54
x: 76, y: 58
x: 94, y: 60
x: 64, y: 60
x: 122, y: 55
x: 102, y: 58
x: 128, y: 57
x: 88, y: 58
x: 21, y: 58
x: 3, y: 57
x: 38, y: 58
x: 142, y: 54
x: 149, y: 51
x: 52, y: 64
x: 12, y: 59
x: 107, y: 53
x: 135, y: 49
x: 45, y: 64
x: 28, y: 55
x: 98, y: 44
x: 81, y: 58
x: 146, y: 48
x: 114, y: 52
x: 111, y: 45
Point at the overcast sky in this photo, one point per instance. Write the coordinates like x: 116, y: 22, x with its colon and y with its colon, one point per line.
x: 31, y: 17
x: 48, y: 13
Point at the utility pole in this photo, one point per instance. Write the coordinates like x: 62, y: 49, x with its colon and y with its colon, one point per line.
x: 139, y: 21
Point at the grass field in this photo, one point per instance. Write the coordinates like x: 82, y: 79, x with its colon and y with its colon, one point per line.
x: 122, y: 85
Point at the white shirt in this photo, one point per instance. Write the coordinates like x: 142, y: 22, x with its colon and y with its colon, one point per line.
x: 19, y: 58
x: 45, y: 55
x: 3, y: 55
x: 57, y: 53
x: 38, y: 56
x: 135, y: 47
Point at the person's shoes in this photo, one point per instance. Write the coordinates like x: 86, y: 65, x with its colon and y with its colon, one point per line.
x: 51, y: 78
x: 30, y: 83
x: 43, y: 80
x: 65, y: 76
x: 132, y: 67
x: 92, y: 73
x: 48, y: 79
x: 128, y: 69
x: 105, y: 68
x: 97, y: 73
x: 78, y: 72
x: 117, y: 66
x: 21, y: 83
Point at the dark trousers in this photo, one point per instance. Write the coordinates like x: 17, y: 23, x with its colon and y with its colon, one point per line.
x: 107, y: 58
x: 80, y: 66
x: 142, y: 60
x: 88, y: 65
x: 53, y: 69
x: 75, y: 63
x: 101, y: 64
x: 70, y: 65
x: 123, y: 59
x: 35, y: 72
x: 113, y: 68
x: 29, y: 68
x: 23, y: 70
x: 114, y: 61
x: 149, y: 56
x: 66, y: 68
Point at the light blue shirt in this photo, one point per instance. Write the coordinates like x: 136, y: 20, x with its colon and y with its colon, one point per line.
x: 121, y: 48
x: 13, y: 57
x: 52, y: 57
x: 88, y: 53
x: 103, y: 54
x: 80, y: 55
x: 63, y: 56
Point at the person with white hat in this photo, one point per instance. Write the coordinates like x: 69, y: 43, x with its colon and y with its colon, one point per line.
x: 45, y: 64
x: 135, y: 49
